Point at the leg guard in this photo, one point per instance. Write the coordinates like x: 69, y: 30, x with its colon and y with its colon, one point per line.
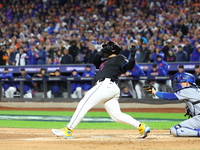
x: 177, y: 130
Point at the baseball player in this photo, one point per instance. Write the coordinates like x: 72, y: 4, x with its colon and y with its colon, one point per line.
x: 28, y: 85
x: 87, y: 73
x: 76, y: 88
x: 185, y: 89
x: 110, y: 63
x: 163, y: 64
x: 137, y: 71
x: 157, y: 71
x: 8, y: 86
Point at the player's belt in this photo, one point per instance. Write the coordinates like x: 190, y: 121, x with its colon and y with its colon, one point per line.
x: 112, y: 80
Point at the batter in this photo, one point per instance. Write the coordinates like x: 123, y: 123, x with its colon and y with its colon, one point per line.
x: 186, y: 89
x: 111, y: 64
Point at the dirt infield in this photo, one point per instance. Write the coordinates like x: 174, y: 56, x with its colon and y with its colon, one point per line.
x: 43, y: 139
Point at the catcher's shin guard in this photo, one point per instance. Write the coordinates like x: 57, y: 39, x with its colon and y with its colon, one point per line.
x: 177, y: 130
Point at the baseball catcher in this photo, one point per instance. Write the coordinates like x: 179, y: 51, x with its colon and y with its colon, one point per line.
x: 185, y: 89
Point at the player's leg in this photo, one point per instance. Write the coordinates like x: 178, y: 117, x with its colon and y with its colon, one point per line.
x: 189, y: 127
x: 92, y: 97
x: 28, y: 95
x: 97, y: 94
x: 113, y: 109
x: 7, y: 93
x: 138, y: 89
x: 79, y: 92
x: 12, y: 91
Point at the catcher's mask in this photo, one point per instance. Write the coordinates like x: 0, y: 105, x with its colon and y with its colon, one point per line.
x: 186, y: 77
x: 113, y: 48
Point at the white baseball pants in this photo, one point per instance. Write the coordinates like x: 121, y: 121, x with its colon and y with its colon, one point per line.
x: 106, y: 92
x: 9, y: 93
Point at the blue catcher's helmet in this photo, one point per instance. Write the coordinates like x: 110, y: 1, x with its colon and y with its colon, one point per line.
x: 185, y: 77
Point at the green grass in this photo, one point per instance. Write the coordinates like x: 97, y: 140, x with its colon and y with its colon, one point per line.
x: 83, y: 125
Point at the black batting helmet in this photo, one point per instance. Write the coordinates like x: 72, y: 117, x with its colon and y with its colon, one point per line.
x: 117, y: 49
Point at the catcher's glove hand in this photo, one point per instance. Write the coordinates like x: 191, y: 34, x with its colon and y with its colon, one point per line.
x: 148, y: 88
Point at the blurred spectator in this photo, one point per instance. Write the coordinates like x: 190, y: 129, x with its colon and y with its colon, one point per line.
x: 32, y: 56
x: 188, y: 48
x: 197, y: 74
x: 125, y: 51
x: 49, y: 61
x: 87, y: 85
x: 91, y: 53
x: 166, y: 48
x: 20, y: 58
x: 3, y: 55
x: 8, y: 86
x: 181, y: 55
x: 28, y: 85
x: 57, y: 57
x: 12, y: 55
x: 126, y: 93
x: 42, y: 54
x: 156, y: 53
x: 144, y: 53
x: 74, y: 50
x: 76, y: 89
x: 66, y: 58
x: 170, y: 56
x: 196, y: 54
x: 57, y: 87
x: 84, y: 51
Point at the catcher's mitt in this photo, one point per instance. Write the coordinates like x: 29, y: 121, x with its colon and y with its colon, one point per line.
x: 148, y: 88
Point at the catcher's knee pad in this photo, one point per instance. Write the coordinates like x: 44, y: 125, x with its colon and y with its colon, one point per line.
x: 177, y: 130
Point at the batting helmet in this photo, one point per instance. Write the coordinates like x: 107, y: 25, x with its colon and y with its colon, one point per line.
x: 185, y: 77
x: 117, y: 49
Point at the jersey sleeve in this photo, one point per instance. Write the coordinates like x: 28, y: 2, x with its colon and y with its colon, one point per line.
x: 121, y: 61
x: 184, y: 93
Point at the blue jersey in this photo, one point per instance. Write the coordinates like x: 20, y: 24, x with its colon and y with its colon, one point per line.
x: 163, y: 65
x: 87, y: 84
x: 158, y: 72
x: 178, y: 73
x: 10, y: 83
x: 75, y: 84
x: 28, y: 85
x: 137, y: 71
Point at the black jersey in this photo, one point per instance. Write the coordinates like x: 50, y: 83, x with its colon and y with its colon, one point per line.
x: 111, y: 67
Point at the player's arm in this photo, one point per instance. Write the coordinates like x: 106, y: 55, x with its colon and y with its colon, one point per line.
x: 131, y: 63
x: 164, y: 95
x: 9, y: 75
x: 97, y: 59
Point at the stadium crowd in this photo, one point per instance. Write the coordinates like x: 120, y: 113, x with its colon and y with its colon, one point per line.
x: 41, y: 32
x: 37, y: 32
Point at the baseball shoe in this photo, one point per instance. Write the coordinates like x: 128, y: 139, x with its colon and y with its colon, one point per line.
x: 144, y: 130
x: 58, y: 132
x: 67, y: 133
